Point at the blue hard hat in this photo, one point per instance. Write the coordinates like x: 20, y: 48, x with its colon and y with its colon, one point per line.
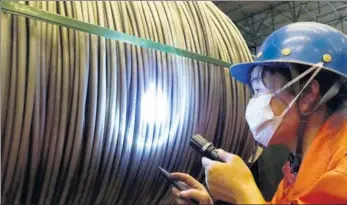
x: 305, y: 43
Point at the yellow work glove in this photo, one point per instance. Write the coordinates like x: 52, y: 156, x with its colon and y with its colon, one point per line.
x: 231, y: 181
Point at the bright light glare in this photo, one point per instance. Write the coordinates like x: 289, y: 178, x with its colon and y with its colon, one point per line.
x: 150, y: 144
x: 154, y: 112
x: 154, y: 106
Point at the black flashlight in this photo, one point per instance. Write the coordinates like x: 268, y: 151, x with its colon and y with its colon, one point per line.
x: 204, y: 147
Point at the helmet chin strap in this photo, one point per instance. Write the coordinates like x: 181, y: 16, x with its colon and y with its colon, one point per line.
x: 296, y: 158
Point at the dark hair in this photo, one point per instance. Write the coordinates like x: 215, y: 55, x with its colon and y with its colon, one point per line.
x: 325, y: 79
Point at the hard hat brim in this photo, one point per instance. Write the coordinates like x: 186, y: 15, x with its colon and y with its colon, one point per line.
x: 241, y: 72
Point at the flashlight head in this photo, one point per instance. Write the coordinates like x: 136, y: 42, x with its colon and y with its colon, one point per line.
x: 206, y: 148
x: 198, y: 142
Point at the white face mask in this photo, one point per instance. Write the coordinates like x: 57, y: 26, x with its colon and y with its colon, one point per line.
x: 259, y: 115
x: 261, y: 119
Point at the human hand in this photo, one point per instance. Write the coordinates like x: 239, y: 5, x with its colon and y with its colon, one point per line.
x: 195, y: 190
x: 231, y: 181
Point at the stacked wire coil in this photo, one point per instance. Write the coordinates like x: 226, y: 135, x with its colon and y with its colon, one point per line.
x: 87, y: 120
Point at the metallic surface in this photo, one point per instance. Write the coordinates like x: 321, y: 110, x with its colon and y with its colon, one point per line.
x: 72, y: 126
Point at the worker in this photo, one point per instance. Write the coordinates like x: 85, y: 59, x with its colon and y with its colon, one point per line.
x: 299, y: 99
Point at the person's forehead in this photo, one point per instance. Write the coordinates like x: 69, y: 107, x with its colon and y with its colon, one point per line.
x: 259, y: 79
x: 256, y: 77
x: 256, y: 73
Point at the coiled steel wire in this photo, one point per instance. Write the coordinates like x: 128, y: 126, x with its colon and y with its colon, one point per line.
x: 74, y: 126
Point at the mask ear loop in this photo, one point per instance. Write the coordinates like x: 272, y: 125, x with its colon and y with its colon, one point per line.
x: 296, y: 79
x: 295, y: 159
x: 294, y: 74
x: 318, y: 65
x: 318, y: 68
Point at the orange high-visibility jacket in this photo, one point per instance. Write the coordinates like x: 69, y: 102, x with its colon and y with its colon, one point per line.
x: 322, y: 178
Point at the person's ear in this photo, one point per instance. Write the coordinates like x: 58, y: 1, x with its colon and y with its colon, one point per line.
x: 309, y: 97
